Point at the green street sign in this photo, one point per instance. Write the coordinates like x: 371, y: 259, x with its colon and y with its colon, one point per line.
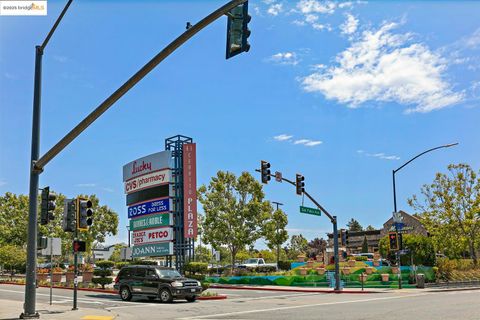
x: 153, y: 250
x: 307, y: 210
x: 151, y: 221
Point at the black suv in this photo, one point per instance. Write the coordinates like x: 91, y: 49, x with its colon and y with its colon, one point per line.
x: 155, y: 282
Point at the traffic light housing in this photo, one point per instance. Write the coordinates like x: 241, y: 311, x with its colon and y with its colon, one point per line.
x: 47, y: 206
x: 237, y: 30
x: 69, y: 215
x: 265, y: 171
x: 42, y: 242
x: 393, y: 238
x: 300, y: 184
x: 84, y: 214
x: 79, y: 246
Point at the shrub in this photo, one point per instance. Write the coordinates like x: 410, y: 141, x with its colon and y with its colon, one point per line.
x: 105, y: 264
x: 360, y: 258
x: 199, y: 277
x: 196, y: 267
x: 121, y: 264
x: 264, y: 269
x: 445, y: 269
x: 144, y: 262
x: 87, y: 268
x: 285, y: 265
x: 103, y: 274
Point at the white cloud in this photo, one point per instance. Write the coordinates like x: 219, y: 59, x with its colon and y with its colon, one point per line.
x: 3, y: 183
x: 275, y: 9
x: 108, y: 189
x: 473, y: 41
x: 283, y: 137
x: 379, y: 155
x: 350, y: 25
x: 385, y: 67
x: 86, y: 185
x: 314, y: 6
x: 307, y: 142
x: 285, y: 58
x: 61, y: 59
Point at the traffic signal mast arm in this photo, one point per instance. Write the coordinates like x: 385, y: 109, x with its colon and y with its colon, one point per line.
x: 130, y: 83
x: 307, y: 194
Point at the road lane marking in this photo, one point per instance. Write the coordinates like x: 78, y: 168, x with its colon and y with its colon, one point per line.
x: 297, y: 307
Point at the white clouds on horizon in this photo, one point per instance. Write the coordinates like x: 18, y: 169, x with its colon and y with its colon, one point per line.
x: 275, y: 9
x: 285, y: 58
x: 86, y: 185
x: 384, y: 67
x: 304, y: 142
x: 379, y: 155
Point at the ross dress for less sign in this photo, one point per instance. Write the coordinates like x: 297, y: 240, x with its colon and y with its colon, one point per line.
x: 190, y: 190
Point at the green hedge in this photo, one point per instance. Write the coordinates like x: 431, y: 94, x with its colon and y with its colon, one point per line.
x: 285, y: 265
x: 196, y: 267
x: 121, y: 264
x: 105, y: 264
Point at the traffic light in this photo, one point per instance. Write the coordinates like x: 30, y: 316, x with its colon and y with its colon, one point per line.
x: 300, y: 184
x: 265, y: 170
x: 79, y: 246
x: 69, y: 214
x: 84, y: 214
x: 237, y: 30
x: 42, y: 242
x: 47, y: 206
x: 393, y: 237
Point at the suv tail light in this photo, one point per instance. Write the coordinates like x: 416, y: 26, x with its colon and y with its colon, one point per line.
x: 116, y: 279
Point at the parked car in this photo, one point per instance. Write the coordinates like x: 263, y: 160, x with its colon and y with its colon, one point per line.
x: 256, y: 262
x: 155, y: 282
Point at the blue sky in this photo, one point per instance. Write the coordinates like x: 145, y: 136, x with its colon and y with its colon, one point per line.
x: 342, y: 92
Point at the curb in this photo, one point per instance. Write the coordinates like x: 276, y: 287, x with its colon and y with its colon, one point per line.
x: 291, y: 290
x: 451, y: 289
x: 219, y: 297
x: 67, y: 288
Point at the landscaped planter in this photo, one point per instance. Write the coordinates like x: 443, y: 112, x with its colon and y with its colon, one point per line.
x: 320, y: 271
x: 87, y: 276
x: 394, y: 270
x: 376, y: 263
x: 42, y: 276
x: 70, y: 276
x: 369, y: 270
x: 301, y: 258
x: 385, y: 277
x: 57, y: 277
x: 310, y: 264
x: 363, y: 277
x: 351, y: 263
x: 346, y: 270
x: 303, y: 271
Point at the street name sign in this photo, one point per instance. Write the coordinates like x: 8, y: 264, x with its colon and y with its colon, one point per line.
x: 153, y: 250
x: 307, y: 210
x: 151, y: 221
x: 151, y: 206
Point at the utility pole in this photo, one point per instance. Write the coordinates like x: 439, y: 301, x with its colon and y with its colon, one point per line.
x: 29, y: 311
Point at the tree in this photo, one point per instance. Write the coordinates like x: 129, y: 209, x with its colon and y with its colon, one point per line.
x: 14, y: 221
x: 370, y: 228
x: 298, y: 245
x: 234, y: 211
x: 354, y: 225
x: 421, y: 249
x: 12, y: 257
x: 274, y: 231
x: 316, y: 247
x: 203, y: 254
x: 365, y: 245
x: 450, y: 210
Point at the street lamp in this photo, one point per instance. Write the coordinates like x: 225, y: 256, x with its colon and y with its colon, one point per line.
x: 395, y: 197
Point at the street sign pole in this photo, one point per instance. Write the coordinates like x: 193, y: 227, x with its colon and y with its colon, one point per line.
x: 75, y: 272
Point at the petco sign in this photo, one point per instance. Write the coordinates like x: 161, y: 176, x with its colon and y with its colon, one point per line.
x: 152, y: 235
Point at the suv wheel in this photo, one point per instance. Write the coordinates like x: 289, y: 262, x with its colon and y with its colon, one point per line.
x: 125, y: 294
x: 165, y: 295
x: 191, y: 299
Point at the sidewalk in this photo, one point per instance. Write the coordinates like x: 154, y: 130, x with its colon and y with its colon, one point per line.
x: 12, y: 309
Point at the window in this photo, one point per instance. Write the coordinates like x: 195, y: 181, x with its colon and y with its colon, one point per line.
x: 140, y: 272
x: 125, y: 273
x: 151, y: 273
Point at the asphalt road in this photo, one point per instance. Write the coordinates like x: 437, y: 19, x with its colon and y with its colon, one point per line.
x: 248, y: 304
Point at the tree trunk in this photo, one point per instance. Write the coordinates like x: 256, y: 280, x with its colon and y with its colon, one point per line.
x: 473, y: 254
x: 278, y: 255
